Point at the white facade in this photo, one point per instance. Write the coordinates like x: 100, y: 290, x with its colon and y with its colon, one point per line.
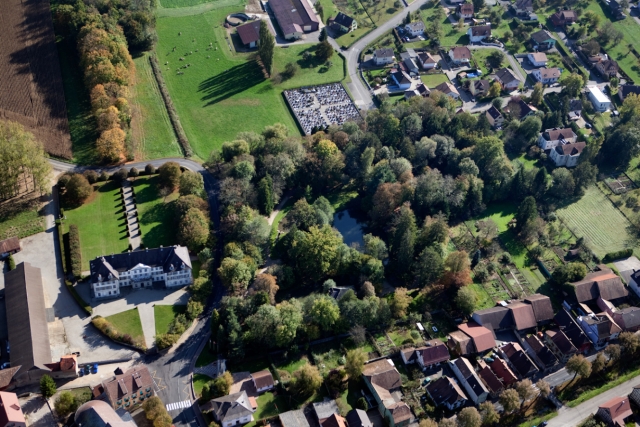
x: 142, y: 276
x: 534, y: 62
x: 475, y: 39
x: 555, y: 138
x: 567, y: 160
x: 599, y: 100
x: 479, y: 392
x: 550, y: 78
x: 238, y: 421
x: 382, y: 60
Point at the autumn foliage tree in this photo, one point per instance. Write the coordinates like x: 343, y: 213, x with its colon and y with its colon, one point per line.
x: 457, y: 269
x: 193, y: 230
x: 110, y: 145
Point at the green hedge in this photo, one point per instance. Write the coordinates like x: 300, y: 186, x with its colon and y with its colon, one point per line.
x: 74, y: 251
x: 85, y: 306
x: 612, y: 256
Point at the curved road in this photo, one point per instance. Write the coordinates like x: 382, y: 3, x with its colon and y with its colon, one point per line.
x: 172, y: 370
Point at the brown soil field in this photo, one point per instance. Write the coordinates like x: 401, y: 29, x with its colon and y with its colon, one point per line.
x: 31, y: 91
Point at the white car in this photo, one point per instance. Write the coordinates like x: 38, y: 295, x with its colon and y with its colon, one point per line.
x: 434, y: 329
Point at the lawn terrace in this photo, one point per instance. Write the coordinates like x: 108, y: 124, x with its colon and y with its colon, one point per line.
x: 317, y: 107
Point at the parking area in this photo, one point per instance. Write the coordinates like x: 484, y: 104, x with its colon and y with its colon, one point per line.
x: 36, y: 411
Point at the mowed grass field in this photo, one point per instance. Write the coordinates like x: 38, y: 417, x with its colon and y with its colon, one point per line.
x: 153, y: 135
x: 181, y: 3
x: 164, y: 315
x: 433, y: 80
x: 222, y: 93
x: 155, y: 213
x: 595, y: 218
x: 128, y: 322
x: 100, y: 223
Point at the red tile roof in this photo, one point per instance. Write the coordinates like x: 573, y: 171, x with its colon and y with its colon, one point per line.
x: 618, y: 408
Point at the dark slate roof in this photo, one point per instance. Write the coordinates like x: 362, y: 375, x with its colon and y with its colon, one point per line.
x: 571, y: 149
x: 169, y: 257
x: 570, y: 328
x: 481, y: 30
x: 562, y: 342
x: 494, y: 318
x: 338, y: 292
x: 416, y: 26
x: 542, y: 308
x: 576, y: 104
x: 343, y: 20
x: 493, y: 112
x: 626, y: 90
x: 384, y: 53
x: 541, y: 36
x: 505, y: 75
x: 293, y: 15
x: 522, y: 363
x: 249, y: 32
x: 26, y: 318
x: 358, y: 418
x: 524, y: 5
x: 470, y: 376
x: 542, y: 351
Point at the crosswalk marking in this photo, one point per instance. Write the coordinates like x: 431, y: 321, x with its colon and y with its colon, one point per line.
x: 178, y: 405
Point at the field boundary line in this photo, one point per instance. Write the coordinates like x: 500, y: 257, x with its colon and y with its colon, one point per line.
x: 176, y: 12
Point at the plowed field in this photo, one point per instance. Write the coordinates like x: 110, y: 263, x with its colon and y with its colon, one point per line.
x: 31, y: 90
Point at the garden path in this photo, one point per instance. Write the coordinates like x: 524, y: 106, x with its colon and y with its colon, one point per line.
x: 148, y: 321
x: 135, y: 235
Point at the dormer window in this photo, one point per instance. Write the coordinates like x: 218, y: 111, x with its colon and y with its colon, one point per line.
x: 182, y: 266
x: 99, y: 277
x: 171, y: 267
x: 110, y: 276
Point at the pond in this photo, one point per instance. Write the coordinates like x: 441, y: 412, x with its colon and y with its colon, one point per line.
x: 351, y: 230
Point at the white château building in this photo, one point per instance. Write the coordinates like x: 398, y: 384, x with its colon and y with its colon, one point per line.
x: 140, y: 269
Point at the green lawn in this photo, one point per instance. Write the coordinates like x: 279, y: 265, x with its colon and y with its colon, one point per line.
x: 291, y: 365
x: 206, y: 357
x: 181, y: 3
x: 128, y: 322
x: 221, y: 89
x: 82, y: 125
x: 433, y: 80
x: 351, y: 8
x: 481, y: 55
x: 270, y: 405
x: 199, y: 380
x: 153, y: 135
x: 21, y: 219
x: 164, y: 315
x: 483, y: 299
x: 100, y: 222
x: 155, y: 213
x: 380, y: 11
x: 596, y: 219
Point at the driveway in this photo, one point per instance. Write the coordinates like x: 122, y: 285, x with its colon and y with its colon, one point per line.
x: 36, y: 411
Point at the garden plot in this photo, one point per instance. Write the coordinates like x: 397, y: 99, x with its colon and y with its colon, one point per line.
x: 496, y: 291
x: 620, y: 184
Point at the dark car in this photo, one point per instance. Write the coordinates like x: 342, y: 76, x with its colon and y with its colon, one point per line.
x: 94, y: 368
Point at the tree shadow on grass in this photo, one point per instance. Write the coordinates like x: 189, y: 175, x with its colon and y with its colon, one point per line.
x: 146, y: 194
x: 230, y: 82
x: 159, y: 235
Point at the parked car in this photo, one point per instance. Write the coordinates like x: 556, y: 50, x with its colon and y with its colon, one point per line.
x: 87, y: 369
x: 588, y: 125
x: 434, y: 329
x: 5, y: 365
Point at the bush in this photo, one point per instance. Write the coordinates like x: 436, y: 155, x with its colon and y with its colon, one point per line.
x: 362, y: 404
x: 166, y: 340
x: 103, y: 177
x: 149, y: 169
x: 64, y: 180
x: 133, y: 172
x: 120, y: 175
x: 169, y: 174
x: 47, y: 386
x: 612, y: 256
x: 11, y: 262
x: 75, y: 254
x: 78, y: 188
x: 194, y: 309
x: 109, y: 330
x: 156, y: 412
x: 91, y: 175
x: 65, y: 404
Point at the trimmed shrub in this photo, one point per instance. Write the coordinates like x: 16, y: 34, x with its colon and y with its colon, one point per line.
x: 149, y: 169
x: 612, y: 256
x: 166, y: 340
x: 74, y: 251
x: 11, y: 262
x: 103, y: 177
x: 120, y: 175
x: 133, y: 172
x: 91, y: 175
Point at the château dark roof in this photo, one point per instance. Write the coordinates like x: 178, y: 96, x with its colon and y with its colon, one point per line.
x: 172, y: 257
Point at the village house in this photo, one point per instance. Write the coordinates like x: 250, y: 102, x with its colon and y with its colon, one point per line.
x: 464, y: 11
x: 427, y: 61
x: 627, y: 318
x: 551, y: 138
x: 575, y: 109
x: 140, y: 269
x: 615, y: 412
x: 343, y: 23
x: 495, y: 117
x: 479, y: 87
x: 294, y: 17
x: 634, y: 396
x: 249, y: 34
x: 358, y: 418
x: 567, y: 154
x: 537, y: 59
x: 467, y: 376
x: 401, y: 79
x: 263, y: 380
x: 460, y: 55
x: 421, y: 90
x: 383, y: 56
x: 601, y: 283
x: 607, y: 68
x: 600, y: 101
x: 519, y: 109
x: 522, y: 8
x: 478, y: 33
x: 232, y: 409
x: 507, y: 79
x: 560, y: 345
x: 384, y: 382
x: 496, y: 318
x: 518, y: 359
x: 326, y: 412
x: 547, y: 76
x: 616, y: 9
x: 490, y: 379
x: 126, y: 389
x: 570, y: 328
x: 470, y: 338
x: 523, y: 317
x: 542, y: 40
x: 446, y: 392
x: 564, y: 17
x: 10, y: 412
x: 414, y: 29
x: 540, y: 353
x: 429, y: 356
x: 448, y: 89
x: 99, y: 413
x: 503, y: 372
x: 9, y: 246
x: 410, y: 66
x: 542, y: 308
x: 600, y: 328
x: 295, y: 418
x: 626, y: 90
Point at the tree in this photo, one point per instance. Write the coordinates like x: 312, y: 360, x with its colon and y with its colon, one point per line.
x: 630, y: 342
x: 494, y: 91
x: 65, y: 404
x: 525, y: 390
x: 429, y: 267
x: 489, y: 414
x: 624, y: 139
x: 265, y: 283
x: 527, y: 211
x: 265, y: 195
x: 478, y: 5
x: 592, y: 19
x: 362, y: 404
x: 266, y: 46
x: 536, y: 96
x: 191, y: 183
x: 169, y: 175
x: 428, y: 422
x: 448, y: 422
x: 599, y: 363
x: 578, y: 365
x: 570, y: 272
x: 78, y: 188
x: 315, y: 253
x: 584, y: 176
x: 47, y: 386
x: 193, y: 230
x: 234, y: 273
x: 324, y: 51
x: 544, y: 387
x: 466, y: 300
x: 613, y: 352
x: 354, y: 363
x: 194, y: 309
x: 358, y: 334
x: 375, y: 247
x: 325, y: 312
x: 510, y: 400
x: 221, y: 385
x: 495, y: 58
x: 572, y: 84
x: 306, y: 380
x: 110, y: 145
x: 400, y: 303
x: 469, y: 417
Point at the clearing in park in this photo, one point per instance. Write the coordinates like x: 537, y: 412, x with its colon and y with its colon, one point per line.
x: 221, y: 92
x: 594, y: 217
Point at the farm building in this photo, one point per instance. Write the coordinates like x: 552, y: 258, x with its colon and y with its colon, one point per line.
x: 344, y: 23
x: 294, y: 17
x: 249, y: 33
x: 9, y: 246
